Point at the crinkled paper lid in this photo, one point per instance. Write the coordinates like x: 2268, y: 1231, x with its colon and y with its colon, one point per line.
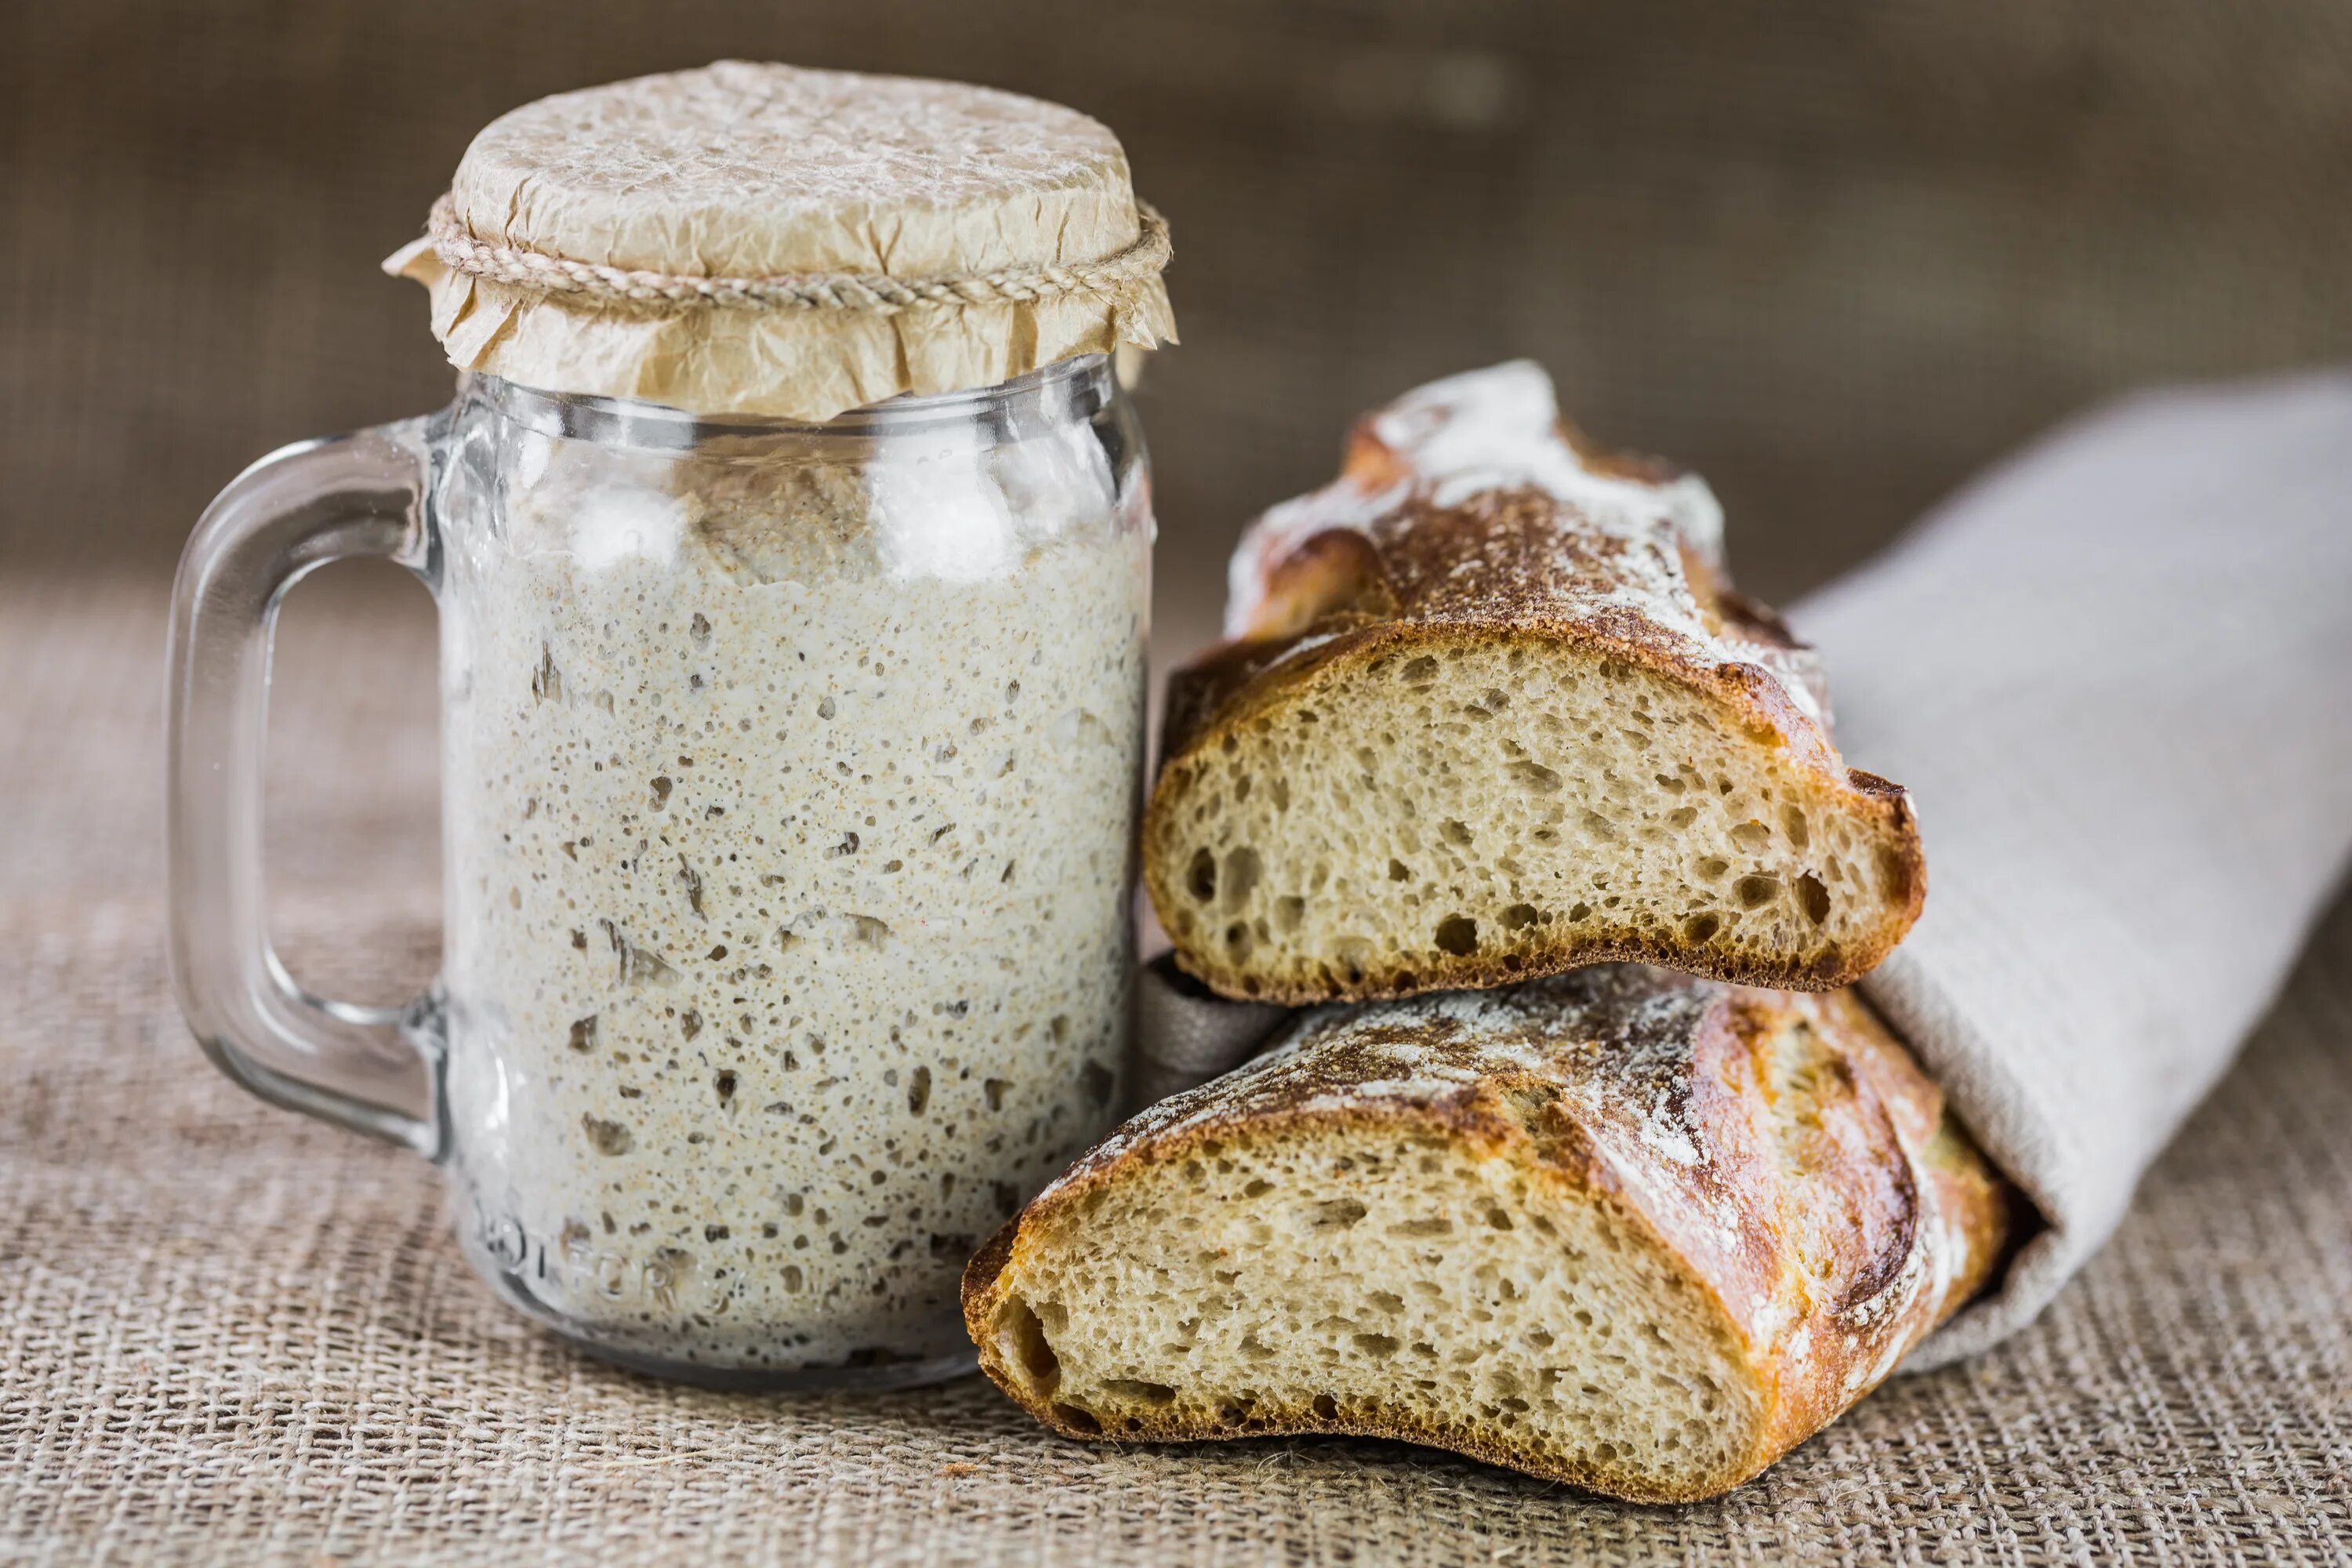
x: 763, y: 239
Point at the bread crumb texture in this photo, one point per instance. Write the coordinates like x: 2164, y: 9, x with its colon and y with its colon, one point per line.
x: 1634, y: 1231
x: 1492, y: 712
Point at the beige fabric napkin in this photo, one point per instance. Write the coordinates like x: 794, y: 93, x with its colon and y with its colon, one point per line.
x: 2116, y: 675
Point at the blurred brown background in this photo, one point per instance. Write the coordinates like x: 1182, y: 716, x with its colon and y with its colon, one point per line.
x: 1835, y: 255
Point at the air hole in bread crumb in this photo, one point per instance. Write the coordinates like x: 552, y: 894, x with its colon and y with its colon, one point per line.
x: 1792, y: 823
x: 1242, y: 869
x: 1535, y: 776
x: 1518, y: 916
x: 1382, y: 1345
x: 1419, y: 671
x: 1201, y: 876
x: 1712, y: 867
x: 1021, y: 1339
x: 1755, y: 892
x: 1337, y: 1214
x: 1151, y: 1394
x: 1454, y: 832
x: 1326, y: 1407
x: 1355, y: 956
x: 1398, y: 872
x: 1751, y: 836
x: 1578, y: 911
x: 1681, y: 817
x: 1702, y: 928
x: 1457, y: 934
x: 1073, y: 1416
x: 1812, y: 897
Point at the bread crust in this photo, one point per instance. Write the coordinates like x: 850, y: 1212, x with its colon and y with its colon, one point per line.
x: 1389, y: 564
x: 1599, y: 1087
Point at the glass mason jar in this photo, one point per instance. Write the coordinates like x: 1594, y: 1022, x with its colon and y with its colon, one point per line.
x: 790, y: 774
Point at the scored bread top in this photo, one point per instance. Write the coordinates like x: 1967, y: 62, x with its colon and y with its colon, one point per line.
x: 1470, y: 502
x: 1496, y: 428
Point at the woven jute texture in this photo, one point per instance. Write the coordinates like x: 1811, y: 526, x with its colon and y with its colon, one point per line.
x: 229, y: 1335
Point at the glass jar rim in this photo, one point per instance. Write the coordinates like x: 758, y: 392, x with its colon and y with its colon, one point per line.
x: 1075, y: 389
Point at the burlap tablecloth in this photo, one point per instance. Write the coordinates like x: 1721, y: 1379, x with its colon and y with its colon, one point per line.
x: 230, y: 1335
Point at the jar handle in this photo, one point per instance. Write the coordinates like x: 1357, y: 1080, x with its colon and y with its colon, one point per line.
x: 374, y: 1070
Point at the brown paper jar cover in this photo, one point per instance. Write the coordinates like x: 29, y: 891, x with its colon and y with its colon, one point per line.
x: 1013, y: 221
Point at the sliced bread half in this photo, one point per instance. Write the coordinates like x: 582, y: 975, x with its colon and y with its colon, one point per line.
x: 1490, y: 709
x: 1636, y: 1231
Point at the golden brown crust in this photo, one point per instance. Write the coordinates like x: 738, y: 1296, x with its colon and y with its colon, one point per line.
x: 1391, y: 562
x: 1783, y: 1152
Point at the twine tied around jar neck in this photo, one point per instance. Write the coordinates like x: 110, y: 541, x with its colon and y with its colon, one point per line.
x: 872, y: 293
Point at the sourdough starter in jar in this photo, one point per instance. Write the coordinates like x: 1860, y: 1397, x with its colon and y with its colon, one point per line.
x: 790, y: 799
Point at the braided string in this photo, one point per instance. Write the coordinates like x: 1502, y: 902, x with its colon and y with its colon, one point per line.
x: 871, y: 292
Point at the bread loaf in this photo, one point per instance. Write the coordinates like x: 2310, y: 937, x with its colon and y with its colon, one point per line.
x: 1636, y: 1231
x: 1490, y: 710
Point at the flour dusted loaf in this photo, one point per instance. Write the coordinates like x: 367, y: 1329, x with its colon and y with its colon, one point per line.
x: 1491, y: 709
x: 1636, y: 1231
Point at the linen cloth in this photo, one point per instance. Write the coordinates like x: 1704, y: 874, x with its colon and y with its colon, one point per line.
x: 2115, y: 674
